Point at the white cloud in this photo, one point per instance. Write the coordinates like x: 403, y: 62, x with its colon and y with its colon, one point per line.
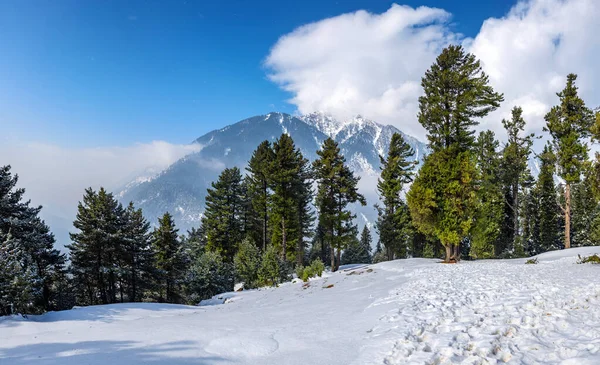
x: 56, y: 177
x: 361, y: 63
x: 372, y: 64
x: 529, y: 52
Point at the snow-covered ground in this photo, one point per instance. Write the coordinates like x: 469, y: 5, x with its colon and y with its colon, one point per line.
x: 414, y: 311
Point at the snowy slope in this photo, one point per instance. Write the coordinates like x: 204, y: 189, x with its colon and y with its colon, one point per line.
x: 415, y: 311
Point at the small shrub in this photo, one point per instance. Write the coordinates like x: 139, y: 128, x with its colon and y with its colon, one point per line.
x: 306, y: 274
x: 532, y: 261
x: 299, y: 271
x: 269, y: 271
x: 593, y: 259
x: 317, y: 267
x: 246, y: 263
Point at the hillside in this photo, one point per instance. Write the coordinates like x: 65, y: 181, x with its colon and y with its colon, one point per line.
x: 414, y: 311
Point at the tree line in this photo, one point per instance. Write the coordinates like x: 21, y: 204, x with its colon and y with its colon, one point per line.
x: 474, y: 197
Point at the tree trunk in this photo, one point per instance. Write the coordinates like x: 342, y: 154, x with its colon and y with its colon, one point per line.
x: 515, y: 214
x: 133, y: 286
x: 456, y: 255
x: 300, y: 253
x: 283, y: 239
x: 448, y: 253
x: 567, y: 215
x: 339, y: 254
x: 265, y: 217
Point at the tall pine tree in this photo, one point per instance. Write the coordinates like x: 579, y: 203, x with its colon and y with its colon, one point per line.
x: 259, y: 192
x: 516, y: 174
x: 291, y: 217
x: 96, y: 247
x: 569, y: 123
x: 488, y: 218
x: 337, y: 187
x: 223, y: 216
x: 171, y: 262
x: 393, y: 220
x: 442, y: 197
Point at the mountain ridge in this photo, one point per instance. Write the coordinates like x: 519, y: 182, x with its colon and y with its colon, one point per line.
x: 181, y: 188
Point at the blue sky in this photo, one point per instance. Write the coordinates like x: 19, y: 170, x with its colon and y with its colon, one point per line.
x: 98, y: 73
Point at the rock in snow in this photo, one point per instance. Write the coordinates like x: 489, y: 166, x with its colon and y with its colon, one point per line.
x: 414, y: 311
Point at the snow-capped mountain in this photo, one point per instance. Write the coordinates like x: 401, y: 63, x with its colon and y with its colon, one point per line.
x: 181, y: 188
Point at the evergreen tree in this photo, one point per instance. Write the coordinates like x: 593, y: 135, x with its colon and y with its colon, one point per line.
x: 569, y: 123
x: 516, y: 174
x: 304, y: 199
x: 170, y: 259
x: 291, y: 217
x: 442, y: 197
x: 549, y: 211
x: 258, y: 188
x: 456, y: 94
x: 209, y: 275
x: 336, y: 189
x: 365, y: 241
x: 29, y: 264
x: 16, y: 291
x: 583, y: 209
x: 138, y: 257
x: 269, y: 271
x: 223, y: 216
x: 393, y: 220
x: 96, y: 249
x: 195, y: 242
x: 489, y: 214
x: 358, y: 251
x: 319, y: 247
x: 531, y: 222
x: 246, y: 263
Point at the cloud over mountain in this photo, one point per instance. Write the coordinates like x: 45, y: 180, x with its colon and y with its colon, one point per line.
x: 373, y: 63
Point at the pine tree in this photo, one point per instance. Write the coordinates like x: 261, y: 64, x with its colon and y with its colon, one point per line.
x: 442, y: 197
x: 195, y: 242
x: 223, y: 219
x: 358, y: 251
x: 457, y: 92
x: 138, y: 258
x: 170, y: 260
x: 569, y: 123
x: 395, y: 229
x: 336, y: 189
x: 488, y: 218
x: 531, y: 222
x: 209, y: 275
x: 549, y: 211
x: 365, y: 241
x: 291, y: 218
x: 259, y: 192
x: 97, y: 247
x: 29, y: 264
x: 319, y: 247
x: 515, y: 175
x: 246, y: 263
x: 584, y: 207
x: 270, y: 269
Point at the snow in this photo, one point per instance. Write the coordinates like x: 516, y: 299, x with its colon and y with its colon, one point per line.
x: 415, y: 311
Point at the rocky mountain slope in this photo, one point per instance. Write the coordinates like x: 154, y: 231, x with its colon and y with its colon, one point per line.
x: 181, y: 188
